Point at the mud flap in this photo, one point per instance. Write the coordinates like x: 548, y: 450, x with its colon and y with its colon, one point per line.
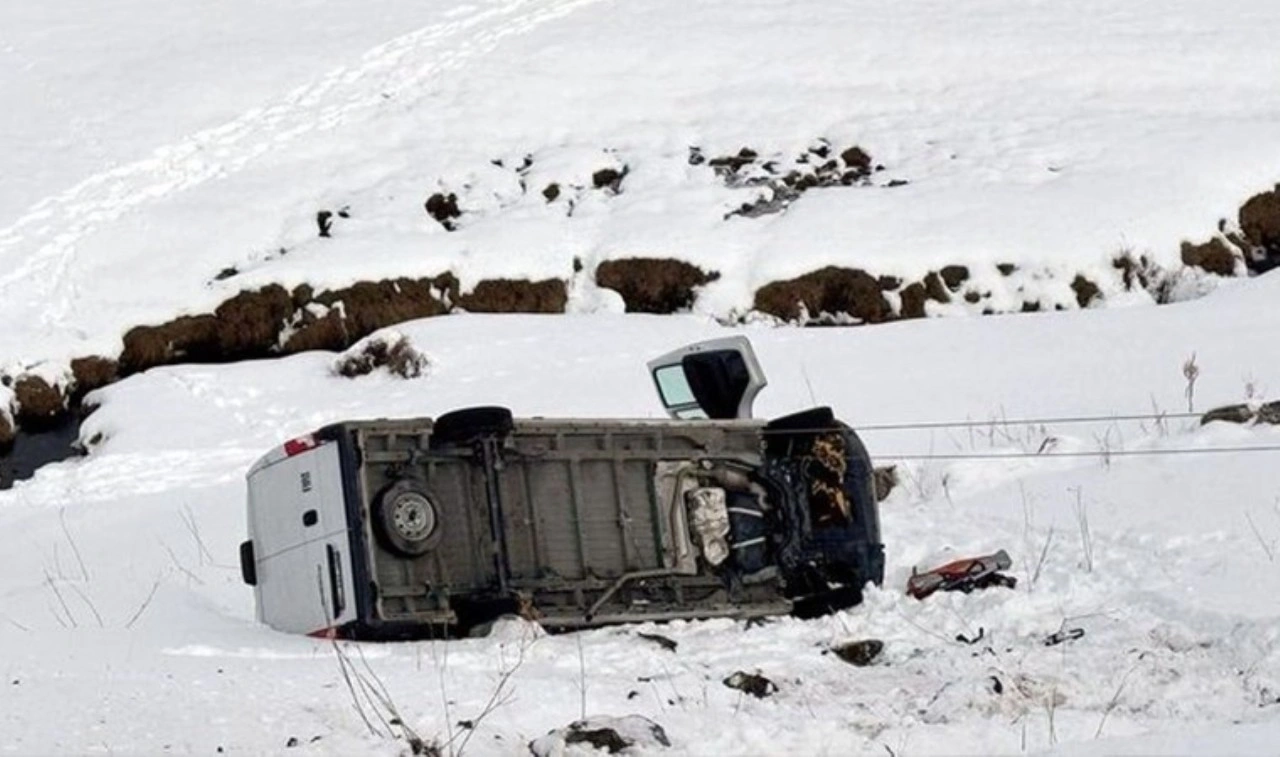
x: 248, y: 568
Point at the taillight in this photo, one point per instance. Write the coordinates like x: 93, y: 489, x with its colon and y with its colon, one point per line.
x: 299, y: 445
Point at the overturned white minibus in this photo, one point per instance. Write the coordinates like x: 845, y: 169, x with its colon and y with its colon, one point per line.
x: 419, y: 527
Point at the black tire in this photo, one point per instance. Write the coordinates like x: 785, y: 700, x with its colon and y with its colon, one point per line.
x: 783, y: 434
x: 466, y: 425
x: 406, y: 519
x: 813, y: 420
x: 827, y: 602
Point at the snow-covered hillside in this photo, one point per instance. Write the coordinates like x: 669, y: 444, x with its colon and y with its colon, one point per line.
x: 1047, y: 135
x: 159, y: 159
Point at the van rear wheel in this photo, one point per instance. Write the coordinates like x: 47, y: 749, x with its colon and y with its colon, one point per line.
x: 406, y: 520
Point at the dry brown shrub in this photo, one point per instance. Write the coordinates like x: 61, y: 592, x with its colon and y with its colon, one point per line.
x: 829, y: 291
x: 39, y: 403
x: 91, y: 373
x: 1214, y: 256
x: 392, y: 351
x: 653, y: 285
x: 516, y: 296
x: 1086, y: 291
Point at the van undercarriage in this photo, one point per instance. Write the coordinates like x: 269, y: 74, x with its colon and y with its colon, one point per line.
x: 413, y: 528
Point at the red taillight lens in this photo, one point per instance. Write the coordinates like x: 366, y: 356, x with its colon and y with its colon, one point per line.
x: 299, y: 445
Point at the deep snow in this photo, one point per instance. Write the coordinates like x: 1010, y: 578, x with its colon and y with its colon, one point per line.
x: 150, y: 146
x: 1178, y: 608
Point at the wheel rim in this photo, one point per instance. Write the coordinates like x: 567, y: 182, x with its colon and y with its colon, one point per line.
x: 413, y: 516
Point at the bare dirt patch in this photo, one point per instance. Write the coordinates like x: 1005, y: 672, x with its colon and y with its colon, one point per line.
x: 953, y: 276
x: 91, y: 373
x: 1086, y: 291
x: 336, y: 318
x: 6, y: 434
x: 826, y: 293
x: 243, y: 327
x: 653, y: 285
x: 1259, y: 220
x: 39, y: 404
x: 516, y: 296
x: 1214, y: 256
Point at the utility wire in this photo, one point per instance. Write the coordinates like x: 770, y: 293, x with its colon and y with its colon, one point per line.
x: 994, y: 423
x: 1092, y: 453
x: 1023, y: 421
x: 998, y: 422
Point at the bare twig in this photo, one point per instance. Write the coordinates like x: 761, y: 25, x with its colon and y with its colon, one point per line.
x: 1191, y: 372
x: 1261, y: 542
x: 174, y: 558
x: 582, y: 680
x: 351, y: 690
x: 1044, y: 553
x: 1086, y: 537
x: 189, y: 519
x: 500, y: 696
x: 922, y: 629
x: 657, y: 695
x: 1104, y: 446
x: 88, y: 602
x: 383, y: 694
x: 1027, y: 511
x: 14, y: 623
x: 1051, y: 708
x: 61, y: 601
x: 62, y: 520
x: 1115, y: 699
x: 146, y: 602
x: 1161, y: 423
x: 671, y: 681
x: 57, y: 563
x: 54, y: 612
x: 442, y: 666
x: 371, y: 695
x: 343, y: 663
x: 804, y: 373
x: 374, y: 684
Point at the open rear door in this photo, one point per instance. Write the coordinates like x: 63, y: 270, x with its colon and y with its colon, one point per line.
x: 716, y: 379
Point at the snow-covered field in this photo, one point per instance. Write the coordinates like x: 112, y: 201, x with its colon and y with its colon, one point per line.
x: 148, y: 146
x: 126, y: 628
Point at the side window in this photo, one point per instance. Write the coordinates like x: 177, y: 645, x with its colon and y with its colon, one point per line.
x: 675, y: 392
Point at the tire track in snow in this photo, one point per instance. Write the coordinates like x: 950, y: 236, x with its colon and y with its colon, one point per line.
x: 38, y: 250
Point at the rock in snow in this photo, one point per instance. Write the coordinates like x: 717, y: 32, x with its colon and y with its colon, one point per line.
x: 612, y: 734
